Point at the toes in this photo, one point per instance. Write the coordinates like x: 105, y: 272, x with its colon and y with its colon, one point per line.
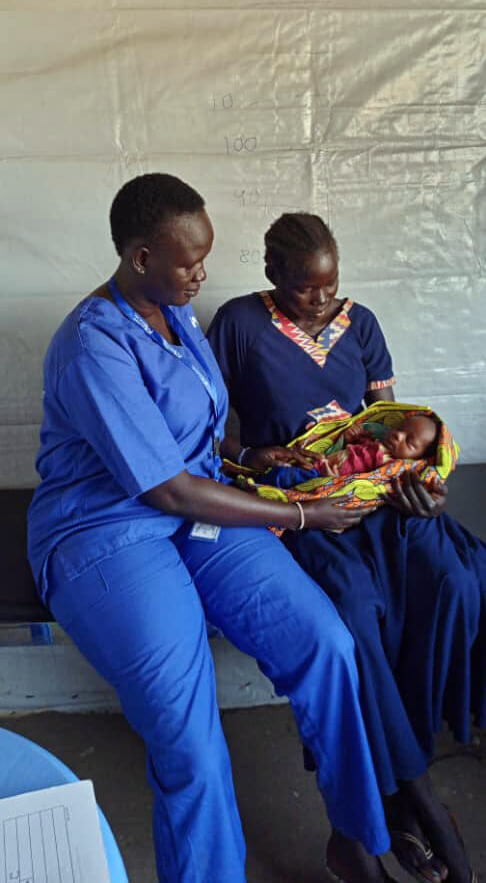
x: 432, y: 870
x: 440, y: 868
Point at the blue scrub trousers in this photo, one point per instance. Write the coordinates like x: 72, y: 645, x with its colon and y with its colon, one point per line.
x: 139, y: 618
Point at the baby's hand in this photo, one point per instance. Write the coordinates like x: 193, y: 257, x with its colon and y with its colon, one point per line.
x: 353, y: 433
x: 327, y: 468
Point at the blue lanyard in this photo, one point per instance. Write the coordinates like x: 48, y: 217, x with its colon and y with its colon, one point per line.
x: 187, y: 353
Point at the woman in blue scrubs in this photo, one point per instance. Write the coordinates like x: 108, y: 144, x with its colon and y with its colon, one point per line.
x: 134, y: 540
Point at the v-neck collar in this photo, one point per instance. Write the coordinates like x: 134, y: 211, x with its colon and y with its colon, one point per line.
x: 317, y: 348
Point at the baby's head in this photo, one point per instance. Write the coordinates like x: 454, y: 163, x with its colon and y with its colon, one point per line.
x: 413, y: 439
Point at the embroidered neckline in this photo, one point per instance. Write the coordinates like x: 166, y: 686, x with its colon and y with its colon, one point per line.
x: 317, y: 348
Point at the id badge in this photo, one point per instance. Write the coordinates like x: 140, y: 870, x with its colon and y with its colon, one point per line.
x: 207, y: 532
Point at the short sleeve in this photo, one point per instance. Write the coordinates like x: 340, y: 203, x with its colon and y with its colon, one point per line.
x: 226, y: 344
x: 109, y: 406
x: 376, y: 358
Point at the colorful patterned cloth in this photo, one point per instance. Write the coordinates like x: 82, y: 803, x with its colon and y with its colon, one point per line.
x: 365, y: 488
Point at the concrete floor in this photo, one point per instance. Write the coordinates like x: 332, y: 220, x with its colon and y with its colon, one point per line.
x: 283, y: 817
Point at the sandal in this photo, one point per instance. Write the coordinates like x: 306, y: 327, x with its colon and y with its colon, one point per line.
x: 398, y: 839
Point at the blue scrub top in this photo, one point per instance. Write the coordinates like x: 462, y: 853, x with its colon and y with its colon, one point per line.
x: 122, y: 414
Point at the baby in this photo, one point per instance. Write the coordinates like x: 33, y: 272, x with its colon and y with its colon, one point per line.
x: 366, y: 448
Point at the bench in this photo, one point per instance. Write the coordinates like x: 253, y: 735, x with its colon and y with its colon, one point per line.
x: 19, y: 601
x: 34, y: 676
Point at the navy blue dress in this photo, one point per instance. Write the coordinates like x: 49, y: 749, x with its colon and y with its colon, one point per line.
x: 412, y: 591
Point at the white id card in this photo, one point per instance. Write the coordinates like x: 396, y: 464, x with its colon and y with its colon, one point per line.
x: 208, y: 532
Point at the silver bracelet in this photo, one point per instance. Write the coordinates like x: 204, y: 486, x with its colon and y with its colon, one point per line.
x: 242, y: 454
x: 300, y: 507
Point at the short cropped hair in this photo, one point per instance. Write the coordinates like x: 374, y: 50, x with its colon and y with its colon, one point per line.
x: 291, y: 238
x: 148, y: 201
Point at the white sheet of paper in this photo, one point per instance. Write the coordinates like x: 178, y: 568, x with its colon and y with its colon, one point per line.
x: 52, y: 836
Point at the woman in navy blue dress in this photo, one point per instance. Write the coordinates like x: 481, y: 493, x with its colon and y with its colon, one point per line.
x: 408, y: 581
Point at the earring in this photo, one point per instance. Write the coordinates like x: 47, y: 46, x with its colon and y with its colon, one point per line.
x: 138, y: 268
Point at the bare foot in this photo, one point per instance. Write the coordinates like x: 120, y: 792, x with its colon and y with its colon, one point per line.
x: 348, y: 860
x: 438, y: 825
x: 409, y: 844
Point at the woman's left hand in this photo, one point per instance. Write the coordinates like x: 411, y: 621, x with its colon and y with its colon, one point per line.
x: 261, y: 459
x: 412, y: 498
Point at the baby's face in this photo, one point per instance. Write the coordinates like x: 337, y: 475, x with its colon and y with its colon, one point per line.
x: 411, y: 439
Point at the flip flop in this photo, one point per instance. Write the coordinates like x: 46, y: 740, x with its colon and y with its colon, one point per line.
x: 397, y: 839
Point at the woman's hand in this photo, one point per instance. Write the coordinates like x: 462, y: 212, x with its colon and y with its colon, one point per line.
x: 411, y: 497
x: 202, y: 499
x: 261, y: 459
x: 326, y: 515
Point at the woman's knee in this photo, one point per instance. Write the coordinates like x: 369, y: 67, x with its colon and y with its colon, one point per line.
x: 461, y: 596
x: 453, y: 586
x: 307, y: 641
x: 325, y: 634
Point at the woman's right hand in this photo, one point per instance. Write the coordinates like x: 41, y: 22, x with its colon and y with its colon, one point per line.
x: 326, y: 515
x: 203, y: 499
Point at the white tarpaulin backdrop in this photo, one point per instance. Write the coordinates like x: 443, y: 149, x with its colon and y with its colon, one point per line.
x: 373, y: 115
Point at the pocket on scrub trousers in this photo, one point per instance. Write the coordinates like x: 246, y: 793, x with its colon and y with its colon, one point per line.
x: 69, y: 597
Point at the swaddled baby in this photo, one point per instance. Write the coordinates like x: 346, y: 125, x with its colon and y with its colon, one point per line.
x: 367, y: 447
